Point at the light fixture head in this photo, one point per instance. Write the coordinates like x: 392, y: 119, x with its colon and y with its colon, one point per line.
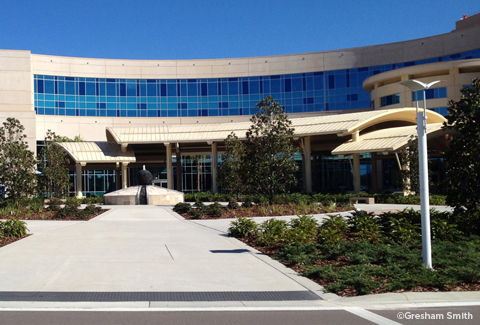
x: 415, y: 85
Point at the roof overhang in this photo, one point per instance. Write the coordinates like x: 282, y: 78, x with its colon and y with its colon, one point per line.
x: 387, y: 140
x: 343, y: 124
x: 97, y: 152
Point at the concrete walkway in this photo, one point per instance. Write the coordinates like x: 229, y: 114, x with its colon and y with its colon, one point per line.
x: 149, y: 256
x: 139, y: 249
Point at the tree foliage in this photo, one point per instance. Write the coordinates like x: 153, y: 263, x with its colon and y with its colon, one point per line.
x: 17, y: 162
x: 410, y: 171
x: 263, y: 163
x: 231, y: 168
x: 463, y: 160
x: 54, y: 167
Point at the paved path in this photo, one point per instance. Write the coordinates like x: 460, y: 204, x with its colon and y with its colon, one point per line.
x: 136, y: 249
x: 150, y: 257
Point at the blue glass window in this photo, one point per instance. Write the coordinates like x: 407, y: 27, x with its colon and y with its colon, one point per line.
x: 430, y: 94
x: 304, y: 92
x: 390, y: 100
x: 245, y: 87
x: 39, y: 88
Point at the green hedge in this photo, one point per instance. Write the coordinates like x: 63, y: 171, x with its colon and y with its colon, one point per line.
x: 298, y: 198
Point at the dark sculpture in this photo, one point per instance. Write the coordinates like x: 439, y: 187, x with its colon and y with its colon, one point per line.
x: 144, y: 178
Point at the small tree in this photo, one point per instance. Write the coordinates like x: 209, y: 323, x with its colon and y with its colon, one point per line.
x: 410, y: 170
x: 463, y: 160
x: 17, y: 162
x: 268, y: 164
x: 232, y: 163
x: 54, y: 166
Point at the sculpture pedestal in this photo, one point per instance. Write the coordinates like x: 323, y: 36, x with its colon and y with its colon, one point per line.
x: 155, y: 196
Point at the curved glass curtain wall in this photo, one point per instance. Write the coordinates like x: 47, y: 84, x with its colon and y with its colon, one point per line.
x: 298, y: 93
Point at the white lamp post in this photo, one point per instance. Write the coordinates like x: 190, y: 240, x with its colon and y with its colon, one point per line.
x: 416, y: 85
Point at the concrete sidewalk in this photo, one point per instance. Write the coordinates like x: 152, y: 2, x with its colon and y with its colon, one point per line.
x: 149, y: 256
x: 138, y: 249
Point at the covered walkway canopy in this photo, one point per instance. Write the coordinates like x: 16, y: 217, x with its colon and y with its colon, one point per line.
x: 341, y: 124
x: 83, y: 153
x: 368, y: 131
x: 386, y: 140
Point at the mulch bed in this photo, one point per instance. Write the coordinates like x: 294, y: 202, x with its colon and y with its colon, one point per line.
x: 8, y: 240
x: 44, y: 215
x: 259, y: 211
x: 272, y: 251
x: 49, y: 215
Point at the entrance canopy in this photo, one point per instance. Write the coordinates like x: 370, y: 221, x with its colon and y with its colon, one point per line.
x: 386, y: 140
x: 97, y: 152
x: 340, y: 124
x: 373, y: 131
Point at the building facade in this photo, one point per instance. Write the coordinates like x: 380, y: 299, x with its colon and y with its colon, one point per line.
x: 167, y: 114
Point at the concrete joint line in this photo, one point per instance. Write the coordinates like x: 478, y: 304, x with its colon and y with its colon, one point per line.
x: 56, y: 272
x: 169, y: 252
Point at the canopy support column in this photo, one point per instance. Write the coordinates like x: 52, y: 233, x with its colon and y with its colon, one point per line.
x: 169, y: 165
x: 214, y: 167
x: 179, y: 167
x: 124, y: 174
x: 78, y: 167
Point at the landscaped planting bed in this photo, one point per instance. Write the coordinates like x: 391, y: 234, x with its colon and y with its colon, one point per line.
x: 366, y: 254
x: 14, y: 228
x: 247, y: 209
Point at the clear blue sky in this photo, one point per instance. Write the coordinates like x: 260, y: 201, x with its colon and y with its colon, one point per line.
x: 178, y: 29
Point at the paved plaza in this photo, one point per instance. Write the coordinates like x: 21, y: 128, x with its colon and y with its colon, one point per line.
x: 150, y: 256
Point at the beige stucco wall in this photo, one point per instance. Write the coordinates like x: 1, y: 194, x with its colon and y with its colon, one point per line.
x: 453, y: 75
x: 440, y: 45
x: 16, y: 91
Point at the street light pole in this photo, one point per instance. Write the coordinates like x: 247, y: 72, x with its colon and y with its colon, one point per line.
x: 416, y: 85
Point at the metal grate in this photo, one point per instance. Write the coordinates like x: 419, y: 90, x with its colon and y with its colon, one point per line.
x: 157, y: 296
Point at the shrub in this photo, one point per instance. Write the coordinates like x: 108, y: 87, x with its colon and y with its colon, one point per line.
x: 70, y: 209
x: 442, y: 230
x: 364, y: 226
x: 214, y: 210
x: 242, y: 228
x: 91, y: 200
x: 328, y: 206
x: 404, y: 231
x: 345, y: 204
x: 332, y: 230
x: 13, y: 228
x: 200, y: 206
x: 273, y: 232
x: 302, y: 230
x: 54, y: 205
x: 182, y: 208
x: 232, y: 205
x: 61, y: 214
x: 36, y: 205
x: 92, y: 209
x: 298, y: 254
x: 260, y: 200
x: 195, y: 214
x: 247, y: 204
